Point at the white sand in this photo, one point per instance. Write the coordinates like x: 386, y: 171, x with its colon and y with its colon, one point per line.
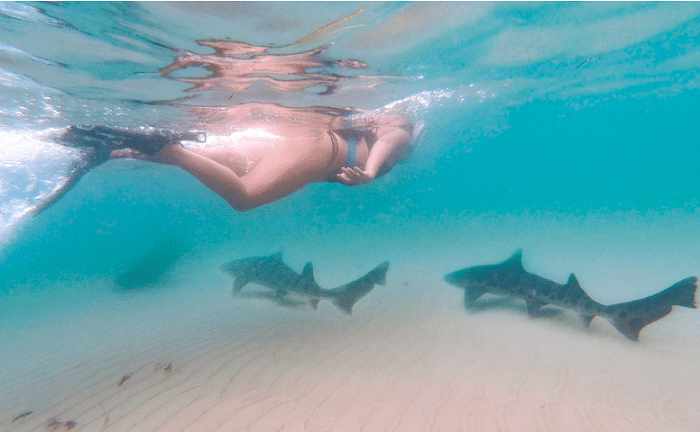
x: 409, y: 359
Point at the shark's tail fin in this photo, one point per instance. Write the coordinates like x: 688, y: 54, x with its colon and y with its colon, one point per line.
x: 631, y: 317
x: 347, y: 295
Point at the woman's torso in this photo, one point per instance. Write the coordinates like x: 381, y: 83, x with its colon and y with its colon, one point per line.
x: 313, y: 149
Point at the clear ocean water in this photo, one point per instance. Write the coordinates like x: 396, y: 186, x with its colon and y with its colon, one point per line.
x: 567, y: 129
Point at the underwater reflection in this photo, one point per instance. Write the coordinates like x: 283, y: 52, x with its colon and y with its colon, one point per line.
x: 238, y: 66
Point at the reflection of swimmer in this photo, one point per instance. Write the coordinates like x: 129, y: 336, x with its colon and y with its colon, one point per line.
x: 269, y: 166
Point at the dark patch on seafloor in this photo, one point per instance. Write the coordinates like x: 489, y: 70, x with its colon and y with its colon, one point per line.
x: 155, y: 262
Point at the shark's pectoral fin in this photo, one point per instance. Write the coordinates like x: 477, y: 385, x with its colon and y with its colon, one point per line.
x: 586, y: 319
x: 314, y: 303
x: 533, y: 306
x: 238, y: 285
x: 471, y: 295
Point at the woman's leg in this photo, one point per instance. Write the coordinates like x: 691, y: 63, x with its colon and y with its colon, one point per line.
x: 219, y: 178
x: 283, y: 170
x: 277, y: 175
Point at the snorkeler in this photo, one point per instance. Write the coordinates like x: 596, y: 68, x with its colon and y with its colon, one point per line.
x: 260, y: 168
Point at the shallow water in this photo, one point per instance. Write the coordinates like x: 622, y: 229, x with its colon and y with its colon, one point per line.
x: 565, y: 129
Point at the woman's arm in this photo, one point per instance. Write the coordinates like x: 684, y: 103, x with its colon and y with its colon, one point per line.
x: 392, y: 143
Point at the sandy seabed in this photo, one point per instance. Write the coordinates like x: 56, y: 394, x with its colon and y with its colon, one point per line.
x: 191, y: 357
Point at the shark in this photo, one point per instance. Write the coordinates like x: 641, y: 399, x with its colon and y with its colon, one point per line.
x: 510, y: 279
x: 290, y: 288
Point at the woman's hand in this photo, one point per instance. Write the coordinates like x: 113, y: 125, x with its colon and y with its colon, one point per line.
x: 354, y: 176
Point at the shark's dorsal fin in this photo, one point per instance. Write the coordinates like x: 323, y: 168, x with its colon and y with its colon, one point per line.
x: 572, y: 286
x: 516, y: 260
x: 276, y: 256
x: 573, y: 282
x: 308, y: 273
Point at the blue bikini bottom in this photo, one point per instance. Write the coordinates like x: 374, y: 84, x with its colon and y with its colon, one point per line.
x: 350, y: 159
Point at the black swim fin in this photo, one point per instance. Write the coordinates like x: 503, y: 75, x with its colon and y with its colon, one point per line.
x: 97, y: 142
x: 91, y: 158
x: 148, y: 140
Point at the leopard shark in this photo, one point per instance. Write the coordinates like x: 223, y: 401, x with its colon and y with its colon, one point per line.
x: 293, y: 289
x: 510, y: 279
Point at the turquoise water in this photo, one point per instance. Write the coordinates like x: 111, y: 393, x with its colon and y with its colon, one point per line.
x: 562, y: 108
x: 567, y: 129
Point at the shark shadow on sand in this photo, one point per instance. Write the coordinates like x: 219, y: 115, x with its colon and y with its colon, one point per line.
x: 510, y: 279
x: 292, y: 289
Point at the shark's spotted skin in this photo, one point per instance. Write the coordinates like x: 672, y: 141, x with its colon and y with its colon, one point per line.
x: 268, y: 271
x: 509, y: 278
x: 293, y: 289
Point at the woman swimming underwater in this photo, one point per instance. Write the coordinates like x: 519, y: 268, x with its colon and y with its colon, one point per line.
x: 256, y: 166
